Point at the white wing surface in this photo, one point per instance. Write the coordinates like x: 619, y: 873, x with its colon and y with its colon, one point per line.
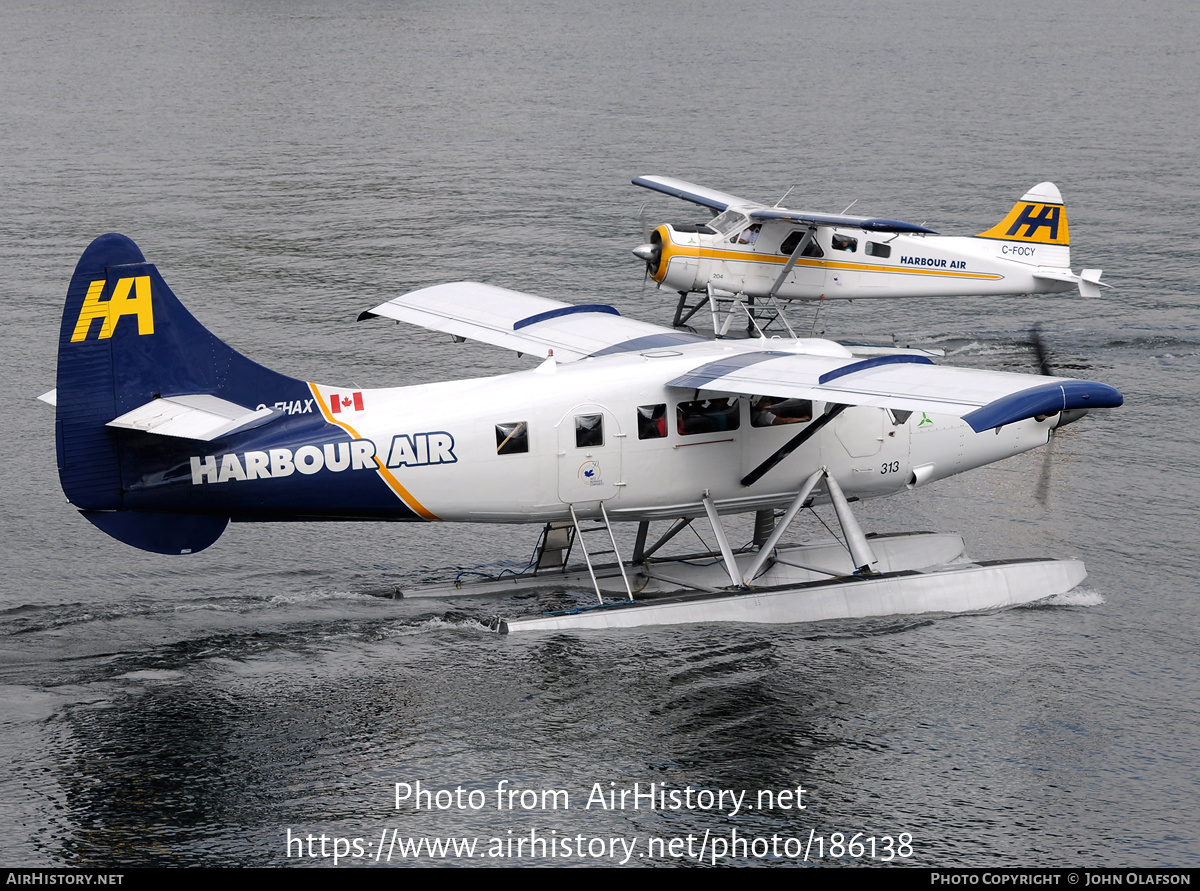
x: 720, y: 201
x: 984, y: 399
x: 526, y: 323
x: 705, y: 197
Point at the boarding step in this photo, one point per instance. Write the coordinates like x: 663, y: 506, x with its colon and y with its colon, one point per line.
x: 576, y: 534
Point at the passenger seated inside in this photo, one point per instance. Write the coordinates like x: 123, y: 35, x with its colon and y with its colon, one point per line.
x: 768, y: 411
x: 750, y: 234
x: 812, y: 249
x: 707, y: 416
x: 844, y: 243
x: 652, y: 421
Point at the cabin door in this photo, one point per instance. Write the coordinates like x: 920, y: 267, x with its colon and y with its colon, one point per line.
x: 589, y: 454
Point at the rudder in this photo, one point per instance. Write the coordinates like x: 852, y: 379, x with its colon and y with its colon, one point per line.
x: 125, y: 340
x: 1039, y: 218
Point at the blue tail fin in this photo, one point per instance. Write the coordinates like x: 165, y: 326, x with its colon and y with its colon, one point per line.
x: 125, y: 340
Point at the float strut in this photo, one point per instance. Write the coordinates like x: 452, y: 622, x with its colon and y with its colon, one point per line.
x: 860, y: 552
x: 726, y: 551
x: 781, y: 527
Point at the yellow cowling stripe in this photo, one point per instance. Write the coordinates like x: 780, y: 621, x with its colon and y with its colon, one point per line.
x: 670, y: 250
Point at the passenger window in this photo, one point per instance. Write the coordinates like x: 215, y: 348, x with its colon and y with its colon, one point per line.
x: 768, y: 411
x: 844, y: 243
x: 812, y: 249
x: 512, y: 438
x: 589, y: 431
x: 876, y: 249
x: 707, y: 416
x: 652, y: 421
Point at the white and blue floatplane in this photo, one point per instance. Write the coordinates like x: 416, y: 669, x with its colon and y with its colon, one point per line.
x: 165, y: 434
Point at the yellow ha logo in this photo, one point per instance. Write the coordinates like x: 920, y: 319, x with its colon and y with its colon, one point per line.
x: 131, y: 297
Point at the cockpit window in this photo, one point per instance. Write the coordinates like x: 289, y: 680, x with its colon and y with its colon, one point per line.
x: 749, y: 235
x: 812, y: 249
x: 729, y: 222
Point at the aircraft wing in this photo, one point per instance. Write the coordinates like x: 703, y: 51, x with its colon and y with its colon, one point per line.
x: 984, y: 399
x: 720, y: 201
x: 871, y: 224
x: 705, y: 197
x: 526, y: 323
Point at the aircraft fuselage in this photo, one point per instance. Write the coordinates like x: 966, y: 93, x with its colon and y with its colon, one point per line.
x: 850, y: 264
x: 522, y: 447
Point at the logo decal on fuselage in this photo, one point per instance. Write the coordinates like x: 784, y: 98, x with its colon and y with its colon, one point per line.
x: 589, y: 473
x: 1047, y: 216
x: 358, y: 454
x: 422, y: 449
x: 1033, y: 222
x: 936, y: 262
x: 130, y: 297
x: 348, y: 401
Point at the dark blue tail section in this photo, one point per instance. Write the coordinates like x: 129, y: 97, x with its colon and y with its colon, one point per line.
x: 125, y: 340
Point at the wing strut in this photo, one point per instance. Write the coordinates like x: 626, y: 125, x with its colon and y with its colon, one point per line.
x: 792, y: 444
x: 791, y: 263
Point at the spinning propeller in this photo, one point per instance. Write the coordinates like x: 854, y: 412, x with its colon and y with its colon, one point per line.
x: 650, y: 251
x: 1042, y: 493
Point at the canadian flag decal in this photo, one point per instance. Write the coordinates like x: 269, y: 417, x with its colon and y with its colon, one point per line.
x: 345, y: 401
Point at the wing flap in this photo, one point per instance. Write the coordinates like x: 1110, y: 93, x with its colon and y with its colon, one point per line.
x: 524, y: 322
x: 985, y: 399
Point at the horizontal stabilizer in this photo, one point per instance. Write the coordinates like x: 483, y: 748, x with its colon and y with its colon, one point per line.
x: 200, y: 417
x: 524, y: 322
x: 1088, y: 281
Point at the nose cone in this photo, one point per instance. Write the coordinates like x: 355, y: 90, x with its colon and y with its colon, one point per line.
x: 651, y: 254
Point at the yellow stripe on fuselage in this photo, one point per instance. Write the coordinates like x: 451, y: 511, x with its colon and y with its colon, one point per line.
x: 812, y: 262
x: 388, y: 477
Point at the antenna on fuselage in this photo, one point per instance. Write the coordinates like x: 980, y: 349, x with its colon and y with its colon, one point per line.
x: 785, y: 194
